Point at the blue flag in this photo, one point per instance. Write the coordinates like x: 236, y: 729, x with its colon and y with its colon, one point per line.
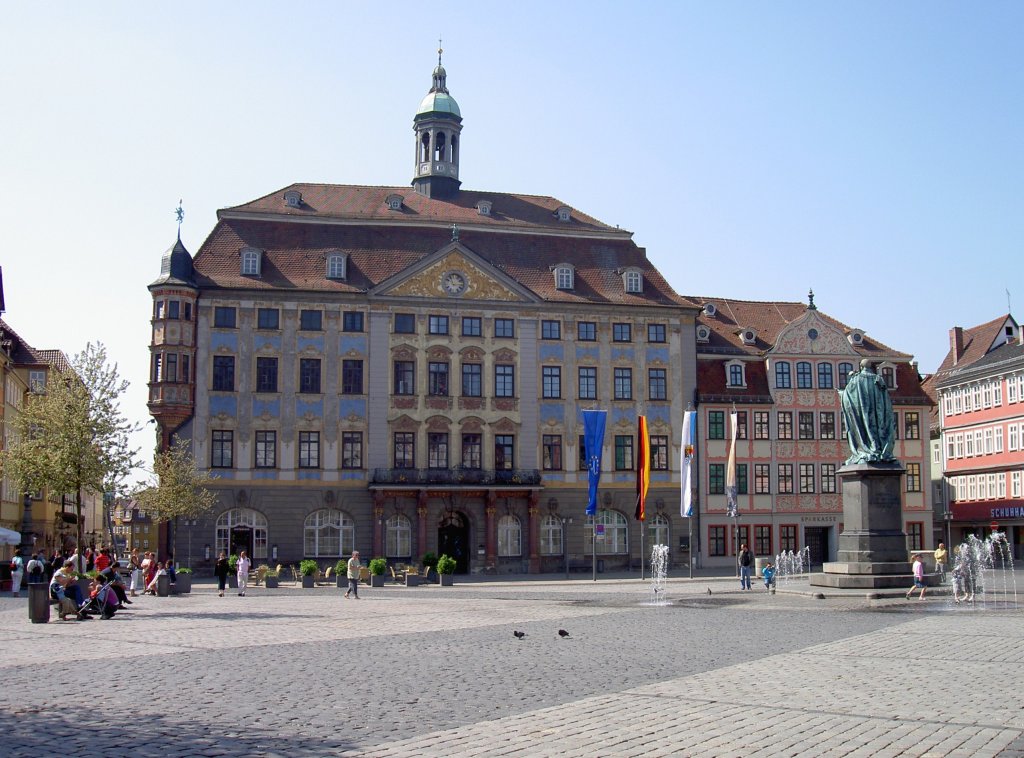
x: 593, y: 441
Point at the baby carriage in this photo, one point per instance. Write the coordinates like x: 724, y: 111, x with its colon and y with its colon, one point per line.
x: 102, y: 601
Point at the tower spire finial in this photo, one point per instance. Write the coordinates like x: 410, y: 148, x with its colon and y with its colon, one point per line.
x: 439, y: 51
x: 180, y: 213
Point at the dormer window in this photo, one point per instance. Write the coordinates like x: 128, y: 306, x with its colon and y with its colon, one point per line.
x: 251, y: 261
x: 855, y: 336
x: 394, y: 201
x: 564, y: 276
x: 735, y: 375
x: 633, y: 280
x: 703, y: 334
x: 293, y: 199
x: 564, y: 213
x: 888, y: 373
x: 336, y: 265
x: 483, y: 207
x: 710, y: 310
x: 748, y: 336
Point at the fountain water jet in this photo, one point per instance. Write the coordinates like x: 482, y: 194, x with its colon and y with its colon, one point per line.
x: 979, y: 564
x: 659, y: 573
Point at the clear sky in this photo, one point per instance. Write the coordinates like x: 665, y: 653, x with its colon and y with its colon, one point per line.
x: 871, y: 151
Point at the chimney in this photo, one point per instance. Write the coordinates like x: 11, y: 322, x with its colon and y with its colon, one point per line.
x: 956, y: 343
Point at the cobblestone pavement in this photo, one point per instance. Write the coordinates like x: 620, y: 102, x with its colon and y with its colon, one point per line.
x: 433, y: 671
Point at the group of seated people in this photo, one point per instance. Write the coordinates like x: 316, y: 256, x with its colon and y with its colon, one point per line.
x: 106, y: 592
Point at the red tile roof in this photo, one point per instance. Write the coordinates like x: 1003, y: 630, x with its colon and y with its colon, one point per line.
x: 368, y: 204
x: 294, y: 256
x: 768, y: 319
x: 978, y: 340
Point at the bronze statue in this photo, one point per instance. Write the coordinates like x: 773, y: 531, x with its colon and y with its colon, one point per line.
x: 867, y: 413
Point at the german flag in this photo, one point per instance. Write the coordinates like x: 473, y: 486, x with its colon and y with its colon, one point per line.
x: 643, y: 467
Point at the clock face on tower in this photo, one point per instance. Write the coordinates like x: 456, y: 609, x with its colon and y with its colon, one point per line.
x: 453, y: 283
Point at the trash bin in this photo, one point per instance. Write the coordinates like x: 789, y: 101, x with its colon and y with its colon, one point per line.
x: 39, y: 603
x: 760, y: 563
x: 600, y: 565
x: 163, y: 585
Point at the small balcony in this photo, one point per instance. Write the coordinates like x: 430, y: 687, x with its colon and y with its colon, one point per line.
x: 456, y: 477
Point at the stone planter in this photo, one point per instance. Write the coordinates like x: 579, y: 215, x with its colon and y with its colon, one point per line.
x: 447, y: 580
x: 342, y: 581
x: 308, y: 581
x: 233, y: 581
x: 271, y: 582
x: 412, y: 580
x: 183, y: 583
x: 376, y: 580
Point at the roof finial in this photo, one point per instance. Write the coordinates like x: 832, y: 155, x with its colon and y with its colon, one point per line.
x: 810, y: 301
x: 180, y: 213
x: 439, y: 51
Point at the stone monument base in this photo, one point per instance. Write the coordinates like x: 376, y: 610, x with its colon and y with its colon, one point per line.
x: 873, y: 547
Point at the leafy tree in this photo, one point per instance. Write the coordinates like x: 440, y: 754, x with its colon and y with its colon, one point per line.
x: 180, y: 487
x: 73, y: 437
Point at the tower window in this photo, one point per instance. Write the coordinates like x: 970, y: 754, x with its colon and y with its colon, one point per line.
x: 440, y: 146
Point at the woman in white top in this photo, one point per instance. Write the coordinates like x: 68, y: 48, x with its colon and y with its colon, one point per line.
x: 17, y: 572
x: 243, y: 566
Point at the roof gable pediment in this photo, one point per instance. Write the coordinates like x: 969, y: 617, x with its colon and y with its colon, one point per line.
x: 811, y: 334
x: 454, y: 272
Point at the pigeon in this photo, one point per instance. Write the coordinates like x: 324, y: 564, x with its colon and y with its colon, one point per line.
x: 709, y: 590
x: 562, y: 633
x: 519, y: 635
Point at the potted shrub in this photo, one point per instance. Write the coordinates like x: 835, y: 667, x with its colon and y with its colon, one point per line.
x: 270, y: 579
x: 445, y: 569
x: 341, y: 573
x: 233, y: 571
x: 183, y: 581
x: 377, y: 568
x: 308, y: 568
x: 429, y: 562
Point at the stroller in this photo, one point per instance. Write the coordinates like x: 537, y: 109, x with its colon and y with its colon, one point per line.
x: 102, y: 601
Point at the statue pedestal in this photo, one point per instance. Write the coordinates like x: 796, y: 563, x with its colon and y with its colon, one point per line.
x: 873, y: 547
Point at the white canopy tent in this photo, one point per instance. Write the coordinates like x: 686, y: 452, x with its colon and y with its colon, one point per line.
x: 9, y: 537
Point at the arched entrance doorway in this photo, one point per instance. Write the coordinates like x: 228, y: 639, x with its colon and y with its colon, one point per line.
x: 453, y: 540
x: 242, y: 529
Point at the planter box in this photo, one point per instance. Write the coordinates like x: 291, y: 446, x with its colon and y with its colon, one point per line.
x: 376, y: 580
x: 233, y: 581
x: 308, y: 581
x: 271, y: 582
x: 183, y: 584
x: 446, y: 579
x: 412, y: 580
x: 342, y: 581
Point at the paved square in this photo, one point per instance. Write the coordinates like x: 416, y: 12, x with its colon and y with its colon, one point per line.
x: 433, y: 671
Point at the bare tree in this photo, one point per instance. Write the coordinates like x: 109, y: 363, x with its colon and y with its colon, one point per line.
x: 179, y: 489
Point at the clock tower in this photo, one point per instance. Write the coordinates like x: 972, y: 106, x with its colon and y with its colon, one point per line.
x: 438, y: 127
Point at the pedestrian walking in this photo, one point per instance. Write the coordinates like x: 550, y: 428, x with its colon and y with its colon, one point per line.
x: 220, y: 570
x: 353, y: 575
x: 17, y: 574
x: 941, y: 556
x: 918, y: 578
x: 746, y: 563
x: 243, y: 566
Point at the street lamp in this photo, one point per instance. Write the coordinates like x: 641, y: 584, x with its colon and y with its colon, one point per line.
x: 949, y: 518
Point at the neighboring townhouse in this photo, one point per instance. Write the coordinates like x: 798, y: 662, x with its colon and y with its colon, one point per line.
x: 980, y: 391
x: 780, y: 366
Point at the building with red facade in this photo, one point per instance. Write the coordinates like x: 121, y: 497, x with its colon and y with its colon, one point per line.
x: 980, y: 391
x: 779, y: 366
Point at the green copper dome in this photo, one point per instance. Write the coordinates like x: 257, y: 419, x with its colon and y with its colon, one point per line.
x: 439, y: 102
